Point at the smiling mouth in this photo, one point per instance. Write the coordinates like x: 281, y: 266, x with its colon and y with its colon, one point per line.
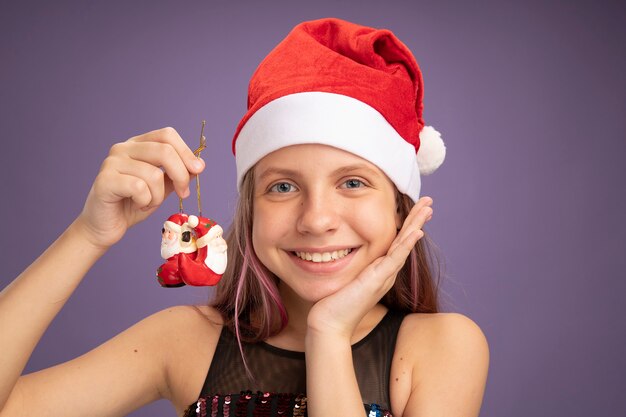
x: 323, y: 257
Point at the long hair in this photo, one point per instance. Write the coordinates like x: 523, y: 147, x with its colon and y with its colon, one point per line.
x: 247, y: 296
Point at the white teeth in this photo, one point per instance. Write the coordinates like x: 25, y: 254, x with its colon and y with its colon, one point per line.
x: 323, y: 256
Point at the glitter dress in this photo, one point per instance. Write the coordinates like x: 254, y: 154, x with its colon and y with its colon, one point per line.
x: 279, y: 388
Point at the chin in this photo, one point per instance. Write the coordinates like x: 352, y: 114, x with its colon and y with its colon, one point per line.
x: 317, y: 291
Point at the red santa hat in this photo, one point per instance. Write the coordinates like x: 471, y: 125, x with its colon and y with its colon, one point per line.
x: 352, y: 87
x: 176, y: 221
x: 205, y: 228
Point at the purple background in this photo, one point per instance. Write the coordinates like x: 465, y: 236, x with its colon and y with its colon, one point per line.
x: 529, y: 204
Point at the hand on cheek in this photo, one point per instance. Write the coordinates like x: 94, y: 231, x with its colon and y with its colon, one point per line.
x: 341, y: 312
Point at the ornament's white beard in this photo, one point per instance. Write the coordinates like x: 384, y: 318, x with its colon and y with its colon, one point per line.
x: 169, y: 248
x: 216, y: 259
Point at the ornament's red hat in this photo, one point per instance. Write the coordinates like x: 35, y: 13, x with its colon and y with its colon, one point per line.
x: 177, y: 220
x: 201, y: 226
x: 349, y: 86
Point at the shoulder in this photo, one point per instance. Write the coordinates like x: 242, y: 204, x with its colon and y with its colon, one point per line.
x: 189, y: 336
x: 186, y: 317
x: 173, y: 325
x: 452, y: 331
x: 443, y: 338
x: 447, y: 357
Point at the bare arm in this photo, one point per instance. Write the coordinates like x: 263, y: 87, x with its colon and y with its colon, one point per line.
x: 113, y: 379
x: 28, y: 304
x: 128, y: 188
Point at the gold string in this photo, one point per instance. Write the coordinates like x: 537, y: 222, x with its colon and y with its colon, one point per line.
x: 197, y: 154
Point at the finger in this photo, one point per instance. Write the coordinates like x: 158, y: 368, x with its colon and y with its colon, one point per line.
x: 418, y: 216
x: 153, y: 177
x: 169, y: 187
x: 416, y: 224
x: 158, y: 154
x: 170, y: 136
x: 114, y: 187
x: 420, y: 219
x: 395, y: 259
x: 388, y: 266
x: 420, y: 205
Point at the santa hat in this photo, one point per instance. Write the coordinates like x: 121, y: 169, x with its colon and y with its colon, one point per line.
x: 205, y: 228
x: 176, y: 221
x: 352, y: 87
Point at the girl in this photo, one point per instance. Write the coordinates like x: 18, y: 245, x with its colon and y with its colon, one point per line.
x: 327, y: 304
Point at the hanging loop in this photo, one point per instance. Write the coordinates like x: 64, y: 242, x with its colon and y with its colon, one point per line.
x: 197, y: 154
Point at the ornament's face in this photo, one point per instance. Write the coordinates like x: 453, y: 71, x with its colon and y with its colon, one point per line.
x: 170, y: 241
x: 216, y: 250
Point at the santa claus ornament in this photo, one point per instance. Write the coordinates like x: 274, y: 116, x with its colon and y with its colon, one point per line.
x: 193, y: 246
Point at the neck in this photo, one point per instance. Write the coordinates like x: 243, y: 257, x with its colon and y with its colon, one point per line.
x: 292, y: 337
x: 298, y: 311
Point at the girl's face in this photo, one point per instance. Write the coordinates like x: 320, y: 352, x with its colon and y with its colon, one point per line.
x: 321, y: 215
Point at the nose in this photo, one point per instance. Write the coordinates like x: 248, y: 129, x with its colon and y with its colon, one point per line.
x: 319, y: 213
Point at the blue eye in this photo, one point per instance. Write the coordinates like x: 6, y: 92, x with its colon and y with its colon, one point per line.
x: 353, y: 183
x: 282, y: 187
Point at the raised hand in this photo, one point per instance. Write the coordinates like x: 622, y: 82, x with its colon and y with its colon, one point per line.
x: 341, y: 312
x: 133, y: 181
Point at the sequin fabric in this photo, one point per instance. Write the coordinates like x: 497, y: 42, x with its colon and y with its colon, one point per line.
x: 279, y: 385
x: 261, y: 404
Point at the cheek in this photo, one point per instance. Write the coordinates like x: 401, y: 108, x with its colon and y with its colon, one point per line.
x: 376, y: 223
x: 268, y: 225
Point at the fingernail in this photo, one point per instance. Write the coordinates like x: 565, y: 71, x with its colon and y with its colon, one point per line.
x: 197, y: 164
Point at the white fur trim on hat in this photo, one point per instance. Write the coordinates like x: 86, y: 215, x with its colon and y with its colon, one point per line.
x: 173, y: 226
x: 328, y: 119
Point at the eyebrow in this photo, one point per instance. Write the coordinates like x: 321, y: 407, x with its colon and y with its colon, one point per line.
x: 294, y: 173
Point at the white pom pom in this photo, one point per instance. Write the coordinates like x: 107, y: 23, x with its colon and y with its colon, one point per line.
x: 432, y: 150
x: 193, y: 221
